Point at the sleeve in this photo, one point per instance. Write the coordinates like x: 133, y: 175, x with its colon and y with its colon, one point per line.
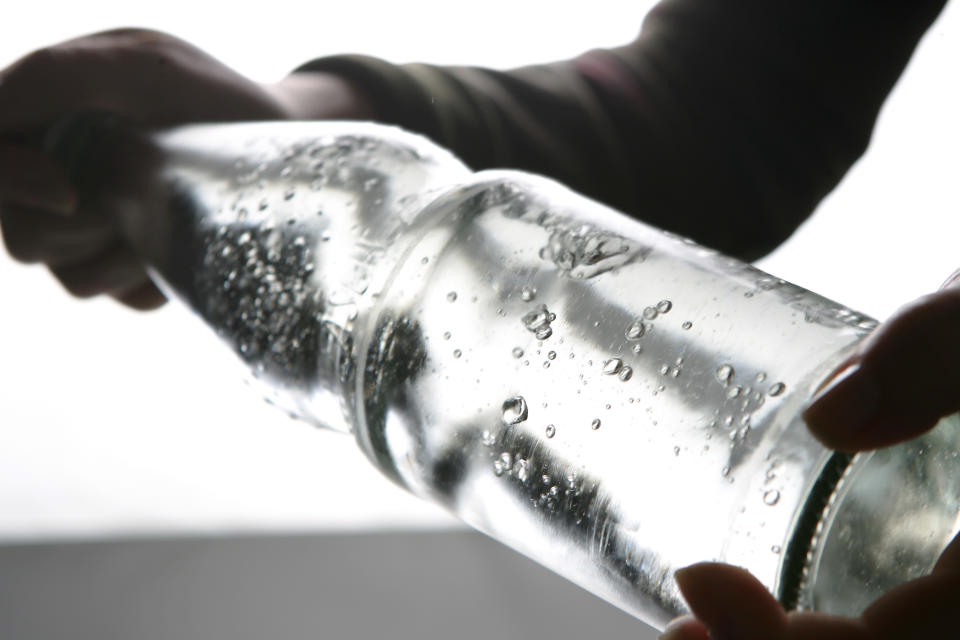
x: 726, y: 122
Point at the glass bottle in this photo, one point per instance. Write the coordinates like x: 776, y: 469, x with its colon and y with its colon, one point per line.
x: 608, y: 399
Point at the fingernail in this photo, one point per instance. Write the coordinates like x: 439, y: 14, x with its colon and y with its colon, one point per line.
x: 843, y: 406
x: 682, y: 628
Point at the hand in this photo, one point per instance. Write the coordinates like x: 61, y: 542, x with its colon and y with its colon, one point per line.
x: 899, y: 383
x: 147, y: 78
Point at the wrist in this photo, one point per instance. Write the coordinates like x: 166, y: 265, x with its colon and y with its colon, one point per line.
x: 314, y: 95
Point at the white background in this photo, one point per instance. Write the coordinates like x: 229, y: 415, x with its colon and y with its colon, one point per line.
x: 113, y: 422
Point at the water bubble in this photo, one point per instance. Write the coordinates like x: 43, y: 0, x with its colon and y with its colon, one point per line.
x: 424, y: 260
x: 724, y: 373
x: 637, y: 348
x: 607, y: 407
x: 522, y: 469
x: 686, y: 325
x: 612, y: 366
x: 675, y: 372
x: 502, y: 464
x: 664, y: 369
x: 546, y: 364
x: 550, y: 431
x: 595, y: 424
x: 625, y: 373
x: 636, y: 330
x: 552, y: 355
x: 771, y: 497
x: 650, y: 313
x: 664, y: 306
x: 514, y: 410
x: 457, y: 353
x: 528, y: 293
x: 734, y: 392
x: 452, y: 296
x: 517, y: 352
x: 676, y: 451
x: 289, y: 193
x: 761, y: 376
x: 776, y: 549
x: 725, y: 471
x: 488, y: 438
x: 777, y: 389
x: 446, y: 335
x: 263, y: 205
x: 538, y: 321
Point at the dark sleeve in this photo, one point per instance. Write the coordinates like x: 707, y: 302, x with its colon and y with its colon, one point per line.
x: 724, y: 121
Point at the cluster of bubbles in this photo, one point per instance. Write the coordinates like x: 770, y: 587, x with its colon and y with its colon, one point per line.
x: 615, y: 367
x: 642, y: 324
x: 579, y: 250
x: 538, y: 322
x: 255, y: 287
x: 745, y: 400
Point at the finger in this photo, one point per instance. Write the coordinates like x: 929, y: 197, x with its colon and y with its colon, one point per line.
x: 903, y: 379
x: 730, y: 602
x: 808, y: 625
x: 116, y: 270
x: 950, y: 558
x: 38, y: 236
x: 143, y: 297
x: 923, y: 608
x: 685, y: 628
x: 30, y: 178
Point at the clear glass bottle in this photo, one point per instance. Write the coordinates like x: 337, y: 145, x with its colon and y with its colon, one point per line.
x: 608, y: 399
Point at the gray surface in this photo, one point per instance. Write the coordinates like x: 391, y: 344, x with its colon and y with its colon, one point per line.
x: 400, y: 585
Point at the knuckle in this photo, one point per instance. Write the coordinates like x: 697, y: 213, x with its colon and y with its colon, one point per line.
x: 19, y: 242
x: 76, y: 281
x: 41, y: 61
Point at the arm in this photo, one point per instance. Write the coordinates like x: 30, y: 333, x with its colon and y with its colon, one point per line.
x: 724, y: 121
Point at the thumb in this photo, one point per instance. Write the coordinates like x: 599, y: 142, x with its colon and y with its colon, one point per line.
x: 899, y: 383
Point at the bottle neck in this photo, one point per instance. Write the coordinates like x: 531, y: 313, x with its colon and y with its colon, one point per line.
x: 279, y: 235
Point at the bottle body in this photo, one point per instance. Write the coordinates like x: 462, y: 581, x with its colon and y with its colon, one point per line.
x: 610, y: 400
x: 617, y: 403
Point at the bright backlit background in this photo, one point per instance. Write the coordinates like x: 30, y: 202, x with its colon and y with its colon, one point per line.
x: 113, y: 422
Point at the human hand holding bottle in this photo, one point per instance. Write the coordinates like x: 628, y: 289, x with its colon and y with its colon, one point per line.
x: 148, y: 78
x: 897, y: 385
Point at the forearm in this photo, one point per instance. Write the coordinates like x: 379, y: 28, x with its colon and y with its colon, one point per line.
x: 727, y: 122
